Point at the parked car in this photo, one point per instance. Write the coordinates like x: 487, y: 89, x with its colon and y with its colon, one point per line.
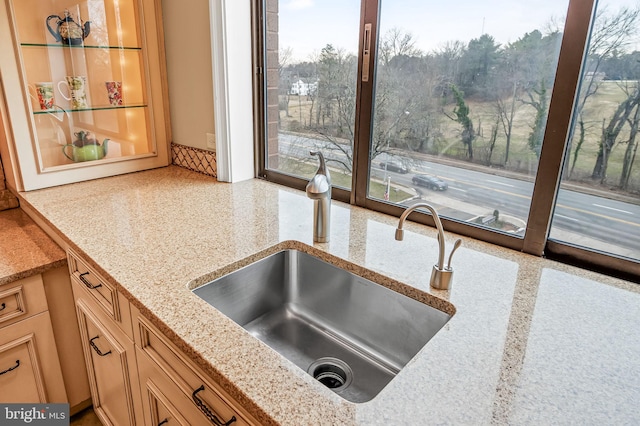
x: 393, y: 166
x: 431, y: 182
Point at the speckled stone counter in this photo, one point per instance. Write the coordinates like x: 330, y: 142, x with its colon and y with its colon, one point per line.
x: 25, y: 249
x: 531, y: 341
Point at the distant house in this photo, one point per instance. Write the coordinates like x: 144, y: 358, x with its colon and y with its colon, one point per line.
x: 303, y: 89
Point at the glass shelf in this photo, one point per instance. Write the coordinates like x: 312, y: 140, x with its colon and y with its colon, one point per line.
x: 79, y: 46
x: 103, y: 108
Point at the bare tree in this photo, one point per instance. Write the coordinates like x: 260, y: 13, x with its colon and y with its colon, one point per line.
x: 611, y: 132
x: 506, y: 111
x: 284, y: 81
x: 396, y: 43
x: 612, y: 32
x: 630, y: 151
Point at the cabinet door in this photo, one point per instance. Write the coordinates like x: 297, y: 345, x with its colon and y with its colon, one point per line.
x: 166, y: 403
x: 157, y: 396
x: 29, y: 367
x: 110, y: 360
x: 89, y: 76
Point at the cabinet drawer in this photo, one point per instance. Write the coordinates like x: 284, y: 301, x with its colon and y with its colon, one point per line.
x: 203, y: 395
x: 22, y: 299
x: 98, y: 288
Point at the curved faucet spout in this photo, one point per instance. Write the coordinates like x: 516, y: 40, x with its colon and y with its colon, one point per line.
x: 436, y: 219
x: 440, y: 274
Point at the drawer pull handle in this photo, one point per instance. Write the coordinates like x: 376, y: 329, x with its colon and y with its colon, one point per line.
x: 3, y: 306
x: 11, y: 368
x: 95, y: 347
x: 163, y: 422
x: 207, y: 412
x: 87, y: 283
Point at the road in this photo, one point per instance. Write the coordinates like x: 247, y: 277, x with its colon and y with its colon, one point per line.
x: 611, y: 221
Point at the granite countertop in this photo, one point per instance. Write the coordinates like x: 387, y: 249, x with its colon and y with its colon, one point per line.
x: 531, y: 342
x: 25, y: 249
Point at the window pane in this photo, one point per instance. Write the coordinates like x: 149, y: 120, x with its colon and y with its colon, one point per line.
x: 598, y: 203
x: 311, y: 86
x: 461, y: 101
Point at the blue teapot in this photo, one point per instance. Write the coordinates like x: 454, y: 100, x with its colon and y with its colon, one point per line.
x: 68, y: 31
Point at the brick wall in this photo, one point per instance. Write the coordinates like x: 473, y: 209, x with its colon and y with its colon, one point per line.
x: 273, y: 79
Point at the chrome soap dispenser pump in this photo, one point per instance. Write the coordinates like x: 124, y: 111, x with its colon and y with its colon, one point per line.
x: 319, y: 190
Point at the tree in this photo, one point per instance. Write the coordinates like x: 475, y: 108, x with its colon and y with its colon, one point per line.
x: 611, y: 34
x: 493, y: 139
x: 611, y: 132
x: 446, y: 62
x: 335, y: 113
x: 397, y: 43
x: 404, y: 109
x: 506, y: 112
x: 284, y: 86
x: 630, y: 152
x: 461, y: 116
x: 538, y: 99
x: 477, y: 65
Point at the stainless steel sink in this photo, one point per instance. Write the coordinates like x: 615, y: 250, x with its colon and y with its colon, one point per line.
x: 351, y: 334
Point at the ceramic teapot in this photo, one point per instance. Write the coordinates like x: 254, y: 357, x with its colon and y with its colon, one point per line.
x: 85, y: 148
x: 68, y: 31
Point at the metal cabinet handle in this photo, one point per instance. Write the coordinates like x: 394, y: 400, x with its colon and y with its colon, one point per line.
x: 163, y: 422
x: 11, y: 368
x: 86, y: 281
x: 2, y: 306
x: 207, y: 411
x: 95, y: 347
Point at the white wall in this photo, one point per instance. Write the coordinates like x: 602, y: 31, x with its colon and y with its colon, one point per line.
x: 189, y: 70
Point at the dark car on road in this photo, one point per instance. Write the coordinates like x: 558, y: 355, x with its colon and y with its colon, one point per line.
x: 393, y: 167
x: 431, y: 182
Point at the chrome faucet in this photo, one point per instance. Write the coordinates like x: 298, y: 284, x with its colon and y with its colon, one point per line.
x: 319, y: 190
x: 440, y: 274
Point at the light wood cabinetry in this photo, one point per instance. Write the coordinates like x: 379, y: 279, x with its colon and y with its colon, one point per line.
x: 106, y: 335
x: 111, y: 366
x: 137, y: 376
x: 88, y: 105
x: 172, y: 384
x: 29, y: 365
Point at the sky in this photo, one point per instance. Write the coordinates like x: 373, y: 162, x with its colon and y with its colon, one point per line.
x: 306, y: 26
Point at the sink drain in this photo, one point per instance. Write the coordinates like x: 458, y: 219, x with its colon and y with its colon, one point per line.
x: 331, y: 372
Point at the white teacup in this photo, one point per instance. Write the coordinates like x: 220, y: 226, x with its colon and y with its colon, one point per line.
x: 76, y: 86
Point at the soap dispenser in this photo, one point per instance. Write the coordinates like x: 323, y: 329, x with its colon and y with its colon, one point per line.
x: 319, y: 190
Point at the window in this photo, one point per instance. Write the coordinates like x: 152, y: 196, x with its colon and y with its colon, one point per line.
x: 468, y: 108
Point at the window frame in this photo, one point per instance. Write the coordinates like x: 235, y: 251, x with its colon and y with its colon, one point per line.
x: 536, y: 241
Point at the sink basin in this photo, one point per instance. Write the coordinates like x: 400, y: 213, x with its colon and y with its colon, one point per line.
x: 351, y: 334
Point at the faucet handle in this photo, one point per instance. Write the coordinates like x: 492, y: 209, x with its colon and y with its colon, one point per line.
x: 441, y: 278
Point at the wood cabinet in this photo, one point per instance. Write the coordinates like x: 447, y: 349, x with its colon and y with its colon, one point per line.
x: 111, y: 367
x: 29, y: 365
x: 88, y: 105
x: 106, y: 335
x: 137, y: 376
x: 175, y: 389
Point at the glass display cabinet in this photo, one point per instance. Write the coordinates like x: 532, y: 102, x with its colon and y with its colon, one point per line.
x: 83, y: 89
